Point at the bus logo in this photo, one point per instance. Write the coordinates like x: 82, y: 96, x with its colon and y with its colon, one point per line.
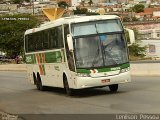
x: 28, y: 59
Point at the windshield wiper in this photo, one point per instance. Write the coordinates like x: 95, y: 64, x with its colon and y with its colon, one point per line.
x: 95, y: 57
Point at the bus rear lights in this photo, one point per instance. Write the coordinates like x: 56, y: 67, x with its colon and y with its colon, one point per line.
x: 105, y: 81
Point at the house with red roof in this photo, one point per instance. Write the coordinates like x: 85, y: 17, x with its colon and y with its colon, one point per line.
x: 149, y: 14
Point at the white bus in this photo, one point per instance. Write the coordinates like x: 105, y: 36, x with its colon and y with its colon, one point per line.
x: 78, y: 52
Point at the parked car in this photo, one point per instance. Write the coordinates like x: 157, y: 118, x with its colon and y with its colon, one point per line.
x: 4, y: 59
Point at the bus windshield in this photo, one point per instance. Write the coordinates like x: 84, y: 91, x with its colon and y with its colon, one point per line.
x: 100, y: 51
x: 99, y: 44
x: 88, y: 28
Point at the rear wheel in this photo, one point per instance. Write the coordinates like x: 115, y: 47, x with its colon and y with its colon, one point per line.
x: 34, y: 78
x: 113, y: 88
x: 68, y: 90
x: 39, y: 83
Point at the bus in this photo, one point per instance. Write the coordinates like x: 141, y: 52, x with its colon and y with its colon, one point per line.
x: 78, y: 52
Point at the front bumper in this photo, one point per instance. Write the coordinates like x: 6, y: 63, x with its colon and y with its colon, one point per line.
x: 88, y: 82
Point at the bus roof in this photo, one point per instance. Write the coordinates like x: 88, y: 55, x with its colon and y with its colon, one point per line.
x: 68, y: 20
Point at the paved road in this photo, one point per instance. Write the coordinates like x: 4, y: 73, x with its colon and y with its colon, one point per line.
x: 18, y: 96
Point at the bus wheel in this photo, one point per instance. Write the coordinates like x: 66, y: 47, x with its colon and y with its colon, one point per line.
x: 113, y: 88
x: 68, y: 90
x: 39, y: 83
x: 34, y: 79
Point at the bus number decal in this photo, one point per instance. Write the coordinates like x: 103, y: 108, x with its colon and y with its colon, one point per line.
x: 115, y: 68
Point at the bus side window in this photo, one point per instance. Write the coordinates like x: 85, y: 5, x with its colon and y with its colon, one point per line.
x: 31, y: 43
x: 52, y: 38
x: 59, y: 37
x: 26, y: 43
x: 38, y: 41
x: 46, y: 39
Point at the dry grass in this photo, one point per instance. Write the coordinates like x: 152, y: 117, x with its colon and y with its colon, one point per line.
x: 135, y: 58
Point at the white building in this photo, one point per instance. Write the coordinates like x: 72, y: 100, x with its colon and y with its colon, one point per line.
x: 150, y: 34
x: 153, y: 48
x: 156, y: 13
x: 151, y: 38
x: 75, y: 2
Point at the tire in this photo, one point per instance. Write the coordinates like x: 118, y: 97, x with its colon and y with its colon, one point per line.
x: 113, y: 88
x: 68, y: 90
x: 39, y: 83
x: 34, y: 79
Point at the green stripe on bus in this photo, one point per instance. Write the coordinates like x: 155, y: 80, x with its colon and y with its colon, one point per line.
x: 125, y: 65
x: 83, y: 71
x: 49, y: 57
x: 53, y: 57
x: 31, y: 59
x: 104, y: 69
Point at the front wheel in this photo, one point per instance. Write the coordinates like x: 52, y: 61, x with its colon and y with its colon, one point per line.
x: 68, y: 90
x: 113, y: 88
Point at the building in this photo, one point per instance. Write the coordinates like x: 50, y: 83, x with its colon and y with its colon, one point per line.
x: 149, y: 14
x: 153, y: 48
x: 150, y: 34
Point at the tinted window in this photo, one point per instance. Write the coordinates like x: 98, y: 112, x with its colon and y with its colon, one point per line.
x: 46, y: 39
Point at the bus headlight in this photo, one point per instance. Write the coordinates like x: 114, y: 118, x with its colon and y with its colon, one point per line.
x: 83, y: 75
x: 124, y: 70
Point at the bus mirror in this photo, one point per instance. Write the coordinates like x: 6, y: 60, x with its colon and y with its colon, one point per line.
x: 70, y: 42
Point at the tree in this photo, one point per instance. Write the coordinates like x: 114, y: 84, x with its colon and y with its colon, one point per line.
x: 135, y: 50
x: 62, y: 4
x: 90, y: 2
x: 20, y: 1
x: 80, y: 11
x: 12, y: 32
x: 138, y: 8
x: 134, y: 19
x: 126, y: 19
x: 82, y: 3
x: 17, y: 1
x: 28, y: 0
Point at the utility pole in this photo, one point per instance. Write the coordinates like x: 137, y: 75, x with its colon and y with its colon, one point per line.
x: 32, y: 3
x: 33, y: 6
